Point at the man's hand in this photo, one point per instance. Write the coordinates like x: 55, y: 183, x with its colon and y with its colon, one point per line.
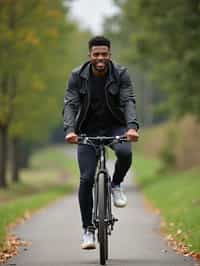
x: 132, y: 135
x: 71, y: 138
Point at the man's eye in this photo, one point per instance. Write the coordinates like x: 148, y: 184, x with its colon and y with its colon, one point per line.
x: 102, y: 54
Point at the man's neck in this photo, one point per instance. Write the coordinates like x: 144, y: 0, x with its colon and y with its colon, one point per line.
x: 99, y: 73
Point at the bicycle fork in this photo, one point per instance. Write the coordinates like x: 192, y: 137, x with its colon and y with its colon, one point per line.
x: 109, y: 219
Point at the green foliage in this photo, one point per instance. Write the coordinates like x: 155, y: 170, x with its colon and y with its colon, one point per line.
x: 36, y: 55
x: 39, y: 45
x: 163, y: 38
x: 167, y: 152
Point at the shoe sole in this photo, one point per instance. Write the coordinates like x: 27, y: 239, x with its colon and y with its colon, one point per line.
x: 88, y: 246
x: 120, y: 206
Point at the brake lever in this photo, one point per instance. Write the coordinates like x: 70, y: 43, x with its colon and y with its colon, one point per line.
x: 120, y: 139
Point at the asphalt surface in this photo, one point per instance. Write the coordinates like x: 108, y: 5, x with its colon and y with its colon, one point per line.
x: 55, y: 233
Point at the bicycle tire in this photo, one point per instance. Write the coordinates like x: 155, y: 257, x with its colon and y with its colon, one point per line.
x: 106, y: 211
x: 103, y: 237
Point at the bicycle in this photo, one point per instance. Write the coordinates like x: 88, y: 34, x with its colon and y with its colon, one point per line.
x: 103, y: 219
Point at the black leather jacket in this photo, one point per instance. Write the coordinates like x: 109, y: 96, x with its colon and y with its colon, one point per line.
x: 119, y: 97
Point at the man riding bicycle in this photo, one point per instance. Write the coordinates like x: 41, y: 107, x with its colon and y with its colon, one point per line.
x: 99, y: 101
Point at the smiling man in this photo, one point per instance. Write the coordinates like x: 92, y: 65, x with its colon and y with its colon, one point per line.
x: 100, y: 101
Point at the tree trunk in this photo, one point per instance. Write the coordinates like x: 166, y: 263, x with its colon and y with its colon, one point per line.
x: 3, y: 155
x: 25, y: 152
x: 15, y: 160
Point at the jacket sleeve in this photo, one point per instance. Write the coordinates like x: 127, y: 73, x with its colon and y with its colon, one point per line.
x: 71, y: 104
x: 128, y: 100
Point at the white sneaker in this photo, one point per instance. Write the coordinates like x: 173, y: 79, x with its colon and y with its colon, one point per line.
x: 88, y: 241
x: 119, y: 198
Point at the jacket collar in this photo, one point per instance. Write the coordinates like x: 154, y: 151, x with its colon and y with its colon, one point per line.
x: 113, y: 74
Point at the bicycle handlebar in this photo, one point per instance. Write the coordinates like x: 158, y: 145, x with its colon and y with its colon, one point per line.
x: 84, y: 139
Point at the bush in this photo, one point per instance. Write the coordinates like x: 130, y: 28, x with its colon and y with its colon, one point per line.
x: 167, y: 152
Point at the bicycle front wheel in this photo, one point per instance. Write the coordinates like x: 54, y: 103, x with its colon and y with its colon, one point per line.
x: 103, y: 236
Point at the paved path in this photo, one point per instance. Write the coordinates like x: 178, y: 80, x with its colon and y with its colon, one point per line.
x: 55, y: 234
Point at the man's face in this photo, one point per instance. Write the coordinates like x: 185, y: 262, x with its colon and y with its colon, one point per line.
x: 99, y: 57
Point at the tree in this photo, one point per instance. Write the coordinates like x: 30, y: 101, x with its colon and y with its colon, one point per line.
x: 162, y: 39
x: 35, y: 58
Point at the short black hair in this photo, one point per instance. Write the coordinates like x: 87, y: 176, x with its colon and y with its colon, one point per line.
x: 98, y: 40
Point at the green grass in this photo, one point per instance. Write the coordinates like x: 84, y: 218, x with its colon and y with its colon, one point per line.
x: 52, y: 175
x: 177, y: 195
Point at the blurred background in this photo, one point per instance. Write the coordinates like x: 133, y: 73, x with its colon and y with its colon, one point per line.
x: 41, y: 41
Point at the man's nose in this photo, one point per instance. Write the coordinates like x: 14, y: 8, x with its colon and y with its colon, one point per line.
x: 100, y: 56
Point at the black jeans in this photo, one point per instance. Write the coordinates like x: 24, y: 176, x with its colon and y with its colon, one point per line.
x: 87, y: 159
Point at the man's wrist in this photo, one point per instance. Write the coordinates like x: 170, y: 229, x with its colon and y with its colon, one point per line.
x: 69, y: 130
x: 133, y: 126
